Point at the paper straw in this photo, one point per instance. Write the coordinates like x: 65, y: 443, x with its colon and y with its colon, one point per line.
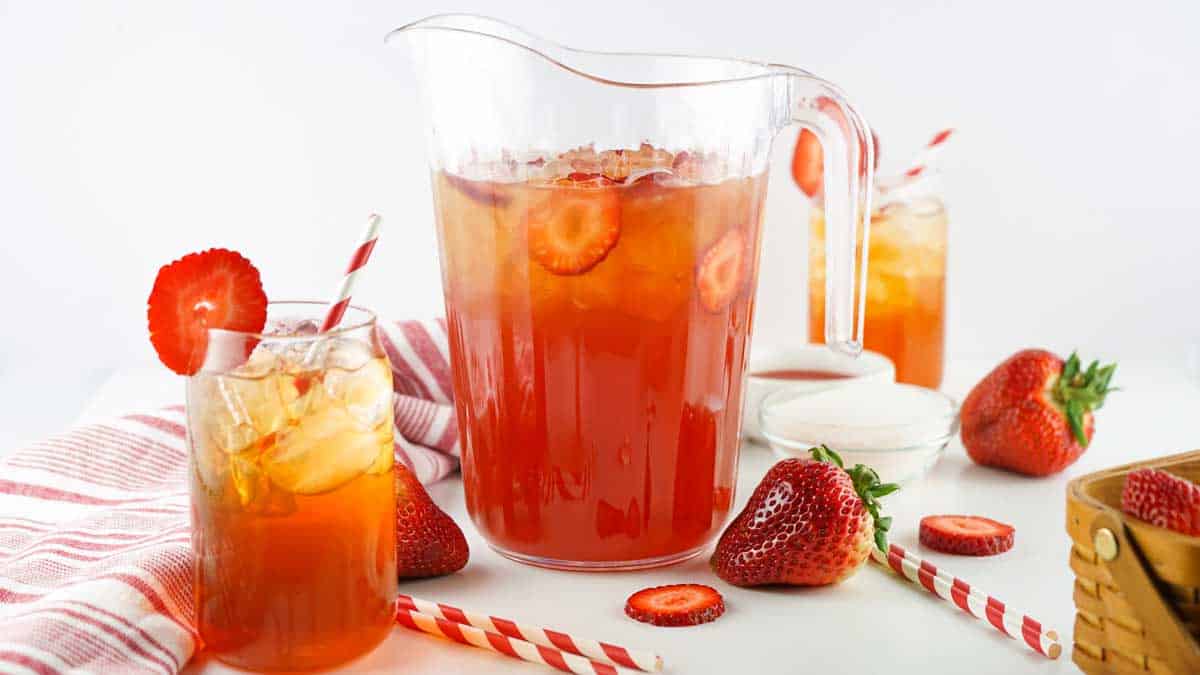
x: 546, y: 637
x: 972, y: 601
x: 502, y: 644
x: 927, y: 157
x: 337, y: 306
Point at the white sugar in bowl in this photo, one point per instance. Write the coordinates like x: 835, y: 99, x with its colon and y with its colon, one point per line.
x: 806, y: 367
x: 900, y: 430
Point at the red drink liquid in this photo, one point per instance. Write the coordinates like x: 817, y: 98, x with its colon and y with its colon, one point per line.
x: 598, y: 336
x: 795, y: 374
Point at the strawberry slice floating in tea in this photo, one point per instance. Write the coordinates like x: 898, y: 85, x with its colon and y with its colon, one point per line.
x: 217, y: 288
x: 676, y: 605
x: 808, y: 160
x: 722, y: 271
x: 966, y: 535
x: 571, y: 230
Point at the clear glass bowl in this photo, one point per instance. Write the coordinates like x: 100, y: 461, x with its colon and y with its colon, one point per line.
x: 901, y: 442
x: 868, y: 366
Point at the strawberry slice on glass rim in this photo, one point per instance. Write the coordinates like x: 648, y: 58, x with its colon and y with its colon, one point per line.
x: 217, y: 288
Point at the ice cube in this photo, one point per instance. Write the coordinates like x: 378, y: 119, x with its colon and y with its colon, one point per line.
x: 324, y: 451
x: 234, y: 412
x: 348, y: 354
x: 292, y: 325
x: 211, y: 466
x: 256, y: 493
x: 365, y: 392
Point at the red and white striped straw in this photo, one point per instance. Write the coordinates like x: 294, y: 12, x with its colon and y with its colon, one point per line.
x: 337, y: 307
x: 502, y: 644
x: 546, y: 637
x: 970, y: 600
x: 928, y: 155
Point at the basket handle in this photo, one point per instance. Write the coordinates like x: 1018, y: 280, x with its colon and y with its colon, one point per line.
x: 1127, y: 567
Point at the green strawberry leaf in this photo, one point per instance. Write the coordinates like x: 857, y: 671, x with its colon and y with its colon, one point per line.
x: 1075, y: 411
x: 869, y: 488
x: 1078, y: 394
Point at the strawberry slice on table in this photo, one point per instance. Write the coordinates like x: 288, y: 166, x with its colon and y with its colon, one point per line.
x: 966, y: 535
x: 428, y: 541
x: 1033, y: 413
x: 217, y: 288
x: 1163, y: 500
x: 676, y: 605
x: 722, y: 270
x: 572, y: 229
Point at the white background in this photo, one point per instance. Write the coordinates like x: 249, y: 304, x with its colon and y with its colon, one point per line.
x: 132, y: 133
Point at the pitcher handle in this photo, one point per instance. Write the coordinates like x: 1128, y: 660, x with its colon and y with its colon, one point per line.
x: 845, y: 137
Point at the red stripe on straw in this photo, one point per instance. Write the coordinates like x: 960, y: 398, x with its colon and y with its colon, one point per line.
x: 619, y: 655
x: 553, y: 657
x: 959, y: 592
x: 361, y: 255
x: 926, y: 573
x: 995, y: 615
x: 453, y: 613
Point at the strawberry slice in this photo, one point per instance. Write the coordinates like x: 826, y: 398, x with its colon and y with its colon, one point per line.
x: 1163, y: 500
x: 573, y: 229
x: 722, y: 270
x: 966, y: 535
x: 807, y: 163
x: 217, y: 288
x: 676, y: 605
x: 478, y: 191
x: 808, y: 160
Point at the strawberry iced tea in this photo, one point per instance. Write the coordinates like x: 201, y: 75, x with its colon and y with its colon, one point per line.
x: 906, y: 284
x: 599, y: 310
x: 293, y: 499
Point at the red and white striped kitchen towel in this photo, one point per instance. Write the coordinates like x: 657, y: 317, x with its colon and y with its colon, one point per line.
x: 95, y: 553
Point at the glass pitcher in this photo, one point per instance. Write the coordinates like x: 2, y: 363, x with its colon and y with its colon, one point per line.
x: 599, y: 223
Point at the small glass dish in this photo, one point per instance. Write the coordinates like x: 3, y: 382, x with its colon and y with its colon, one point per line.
x: 900, y: 430
x: 808, y: 367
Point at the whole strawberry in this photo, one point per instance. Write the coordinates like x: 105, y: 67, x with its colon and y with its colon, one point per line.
x: 808, y: 523
x: 428, y: 542
x: 1033, y: 413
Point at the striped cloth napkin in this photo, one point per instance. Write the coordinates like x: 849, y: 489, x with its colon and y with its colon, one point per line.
x: 95, y: 551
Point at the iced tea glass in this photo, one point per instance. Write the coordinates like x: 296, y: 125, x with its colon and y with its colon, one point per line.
x: 906, y: 278
x: 293, y: 494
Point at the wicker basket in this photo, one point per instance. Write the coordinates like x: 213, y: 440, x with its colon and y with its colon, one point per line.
x: 1137, y: 587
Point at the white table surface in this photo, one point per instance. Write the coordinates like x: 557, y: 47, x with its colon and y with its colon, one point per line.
x: 869, y: 624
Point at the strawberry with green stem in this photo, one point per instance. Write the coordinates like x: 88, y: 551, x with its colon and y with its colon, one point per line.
x: 810, y: 522
x: 1033, y: 413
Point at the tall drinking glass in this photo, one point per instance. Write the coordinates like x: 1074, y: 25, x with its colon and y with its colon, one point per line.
x: 293, y: 495
x: 906, y: 279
